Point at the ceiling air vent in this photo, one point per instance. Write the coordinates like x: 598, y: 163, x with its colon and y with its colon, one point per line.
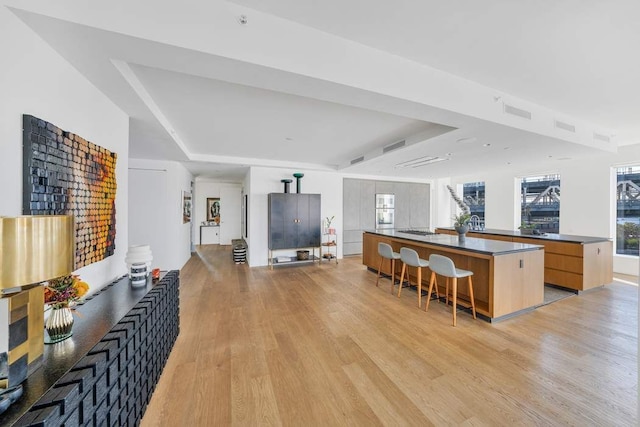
x: 420, y: 161
x: 358, y: 160
x: 510, y: 109
x: 394, y: 146
x: 565, y: 126
x: 600, y: 137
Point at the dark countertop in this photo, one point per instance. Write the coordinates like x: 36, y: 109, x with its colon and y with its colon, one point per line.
x: 94, y: 319
x: 483, y: 246
x: 547, y: 236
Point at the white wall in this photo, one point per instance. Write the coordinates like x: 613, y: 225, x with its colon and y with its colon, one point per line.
x: 267, y: 180
x: 156, y: 211
x: 587, y: 204
x: 35, y: 80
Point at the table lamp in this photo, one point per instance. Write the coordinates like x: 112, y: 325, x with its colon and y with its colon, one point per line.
x: 32, y: 249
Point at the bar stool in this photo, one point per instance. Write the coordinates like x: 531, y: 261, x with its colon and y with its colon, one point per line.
x: 444, y: 266
x: 386, y: 252
x: 411, y: 258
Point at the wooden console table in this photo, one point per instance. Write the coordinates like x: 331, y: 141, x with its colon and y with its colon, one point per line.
x: 106, y: 372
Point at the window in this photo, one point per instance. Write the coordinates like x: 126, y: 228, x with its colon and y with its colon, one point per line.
x: 628, y: 208
x: 473, y: 195
x: 541, y: 202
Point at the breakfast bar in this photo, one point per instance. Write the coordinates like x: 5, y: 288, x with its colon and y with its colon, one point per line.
x: 508, y: 277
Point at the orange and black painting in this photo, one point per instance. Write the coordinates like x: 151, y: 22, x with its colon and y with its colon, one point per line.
x: 64, y: 174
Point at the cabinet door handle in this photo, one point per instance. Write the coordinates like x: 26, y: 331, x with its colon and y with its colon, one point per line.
x: 598, y: 251
x: 521, y: 263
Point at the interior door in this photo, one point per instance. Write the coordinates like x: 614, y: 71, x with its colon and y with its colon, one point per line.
x: 230, y: 211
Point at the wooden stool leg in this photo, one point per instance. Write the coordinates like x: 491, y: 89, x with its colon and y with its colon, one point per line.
x: 402, y: 278
x: 473, y: 303
x: 435, y: 284
x: 393, y: 274
x: 431, y: 282
x: 419, y: 287
x: 446, y: 291
x: 454, y: 291
x: 379, y: 269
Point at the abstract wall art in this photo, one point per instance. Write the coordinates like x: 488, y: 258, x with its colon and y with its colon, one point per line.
x: 64, y: 174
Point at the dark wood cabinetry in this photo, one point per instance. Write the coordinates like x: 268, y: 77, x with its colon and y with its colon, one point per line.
x: 294, y: 221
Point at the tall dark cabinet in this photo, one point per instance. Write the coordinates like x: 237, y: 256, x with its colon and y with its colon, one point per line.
x: 294, y: 221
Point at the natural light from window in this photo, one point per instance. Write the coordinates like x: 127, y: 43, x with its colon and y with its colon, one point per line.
x: 473, y: 194
x: 541, y: 203
x: 628, y: 210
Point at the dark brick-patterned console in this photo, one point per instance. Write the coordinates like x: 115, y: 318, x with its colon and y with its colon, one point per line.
x: 112, y: 382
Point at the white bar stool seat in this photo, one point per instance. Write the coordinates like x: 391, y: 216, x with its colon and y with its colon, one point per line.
x: 444, y: 266
x: 410, y: 258
x: 386, y: 252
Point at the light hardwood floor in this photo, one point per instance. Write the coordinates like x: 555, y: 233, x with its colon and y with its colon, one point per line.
x: 321, y: 345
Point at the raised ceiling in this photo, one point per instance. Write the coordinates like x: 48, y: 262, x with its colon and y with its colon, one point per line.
x: 315, y: 85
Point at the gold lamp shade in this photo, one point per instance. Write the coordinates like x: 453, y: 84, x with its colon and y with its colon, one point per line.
x: 35, y: 248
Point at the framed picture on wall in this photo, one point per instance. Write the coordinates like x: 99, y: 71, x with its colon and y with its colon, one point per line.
x: 186, y: 207
x: 213, y: 209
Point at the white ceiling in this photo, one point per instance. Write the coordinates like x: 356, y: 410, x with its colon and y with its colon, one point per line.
x: 221, y: 111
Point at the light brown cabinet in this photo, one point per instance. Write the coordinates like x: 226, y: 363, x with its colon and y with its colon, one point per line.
x: 577, y: 265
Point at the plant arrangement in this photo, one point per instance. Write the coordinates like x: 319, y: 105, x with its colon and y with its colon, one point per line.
x: 465, y: 216
x: 64, y: 291
x: 461, y: 220
x: 527, y: 226
x: 328, y: 221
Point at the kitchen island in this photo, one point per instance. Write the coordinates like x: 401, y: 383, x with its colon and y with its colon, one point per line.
x: 574, y: 262
x: 508, y: 277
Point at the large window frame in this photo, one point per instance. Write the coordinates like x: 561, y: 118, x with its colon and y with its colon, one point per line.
x: 627, y: 210
x: 474, y: 197
x: 540, y: 202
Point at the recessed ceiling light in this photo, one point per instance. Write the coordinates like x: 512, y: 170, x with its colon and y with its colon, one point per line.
x: 449, y: 154
x: 486, y: 145
x: 507, y: 148
x: 564, y: 158
x: 288, y: 139
x: 466, y: 140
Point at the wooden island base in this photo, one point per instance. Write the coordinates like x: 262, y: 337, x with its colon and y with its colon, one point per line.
x: 579, y: 263
x: 508, y: 277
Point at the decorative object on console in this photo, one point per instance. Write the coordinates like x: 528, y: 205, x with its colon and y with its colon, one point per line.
x: 64, y: 174
x: 138, y: 261
x: 32, y: 249
x: 61, y: 294
x: 138, y: 274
